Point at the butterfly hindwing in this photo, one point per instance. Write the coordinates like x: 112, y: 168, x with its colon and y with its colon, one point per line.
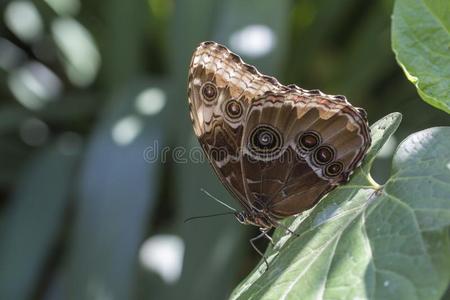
x: 314, y: 144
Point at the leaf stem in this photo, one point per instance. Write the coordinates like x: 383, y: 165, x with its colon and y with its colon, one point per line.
x: 372, y: 181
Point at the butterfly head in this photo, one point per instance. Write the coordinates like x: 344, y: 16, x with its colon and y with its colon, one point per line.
x: 241, y: 216
x: 256, y: 218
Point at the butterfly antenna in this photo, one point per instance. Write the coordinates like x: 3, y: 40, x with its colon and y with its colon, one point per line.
x: 208, y: 216
x: 233, y: 211
x: 214, y: 198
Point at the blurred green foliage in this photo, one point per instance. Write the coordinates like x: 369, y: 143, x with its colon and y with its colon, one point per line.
x: 86, y: 87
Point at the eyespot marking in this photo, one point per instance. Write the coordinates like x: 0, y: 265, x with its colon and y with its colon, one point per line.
x: 308, y: 140
x: 209, y: 91
x: 334, y: 169
x: 323, y: 154
x: 265, y: 141
x: 233, y: 109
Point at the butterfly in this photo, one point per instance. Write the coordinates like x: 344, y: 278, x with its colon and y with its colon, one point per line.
x: 278, y: 149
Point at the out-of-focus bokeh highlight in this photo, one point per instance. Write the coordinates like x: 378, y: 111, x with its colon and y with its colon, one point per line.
x: 94, y: 184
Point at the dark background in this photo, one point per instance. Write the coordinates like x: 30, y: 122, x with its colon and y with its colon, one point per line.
x: 87, y: 87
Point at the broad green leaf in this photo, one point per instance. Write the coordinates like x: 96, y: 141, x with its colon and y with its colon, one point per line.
x: 116, y: 193
x: 421, y: 42
x: 366, y: 241
x: 32, y: 222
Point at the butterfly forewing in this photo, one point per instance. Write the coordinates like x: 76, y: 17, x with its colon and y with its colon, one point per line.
x: 220, y: 89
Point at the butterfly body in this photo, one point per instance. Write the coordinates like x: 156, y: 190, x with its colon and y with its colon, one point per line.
x: 278, y: 149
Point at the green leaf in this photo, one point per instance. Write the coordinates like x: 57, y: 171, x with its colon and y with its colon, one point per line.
x: 421, y: 42
x: 117, y: 193
x: 366, y: 241
x: 31, y: 224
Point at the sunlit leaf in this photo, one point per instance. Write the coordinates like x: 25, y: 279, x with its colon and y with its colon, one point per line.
x: 421, y: 42
x: 24, y: 20
x: 78, y: 50
x: 365, y: 241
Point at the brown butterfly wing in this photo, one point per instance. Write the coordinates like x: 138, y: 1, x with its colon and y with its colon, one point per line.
x: 220, y: 90
x: 314, y: 143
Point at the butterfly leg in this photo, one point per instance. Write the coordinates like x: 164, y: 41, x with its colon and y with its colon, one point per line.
x: 265, y: 231
x: 287, y: 229
x: 252, y: 242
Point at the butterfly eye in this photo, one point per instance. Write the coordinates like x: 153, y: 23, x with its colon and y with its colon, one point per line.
x: 266, y: 140
x: 334, y: 169
x: 209, y: 91
x: 241, y: 217
x: 233, y: 109
x: 323, y: 155
x: 309, y: 140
